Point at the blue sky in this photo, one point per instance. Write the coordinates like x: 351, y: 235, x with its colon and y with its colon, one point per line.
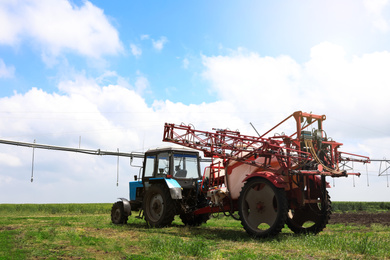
x: 190, y: 29
x: 111, y: 73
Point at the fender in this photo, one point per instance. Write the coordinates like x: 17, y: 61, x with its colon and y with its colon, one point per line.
x: 173, y: 186
x: 126, y: 206
x: 275, y: 179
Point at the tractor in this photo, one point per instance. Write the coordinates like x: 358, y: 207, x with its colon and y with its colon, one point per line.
x: 170, y: 185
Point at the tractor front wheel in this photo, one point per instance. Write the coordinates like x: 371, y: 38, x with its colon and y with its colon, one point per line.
x: 118, y: 215
x: 158, y: 206
x: 262, y: 208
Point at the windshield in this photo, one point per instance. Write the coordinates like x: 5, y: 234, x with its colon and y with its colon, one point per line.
x: 185, y: 166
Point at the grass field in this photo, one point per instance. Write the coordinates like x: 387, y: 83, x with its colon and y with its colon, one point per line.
x: 67, y: 231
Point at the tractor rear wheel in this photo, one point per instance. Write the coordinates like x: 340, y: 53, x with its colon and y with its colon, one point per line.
x: 311, y: 218
x: 158, y: 206
x: 262, y: 208
x: 118, y: 215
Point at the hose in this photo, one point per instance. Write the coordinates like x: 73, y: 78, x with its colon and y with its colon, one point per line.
x: 309, y: 143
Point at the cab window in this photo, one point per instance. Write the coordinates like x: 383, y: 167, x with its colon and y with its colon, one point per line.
x: 162, y: 164
x: 149, y: 166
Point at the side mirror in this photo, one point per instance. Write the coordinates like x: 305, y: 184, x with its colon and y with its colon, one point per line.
x: 135, y: 177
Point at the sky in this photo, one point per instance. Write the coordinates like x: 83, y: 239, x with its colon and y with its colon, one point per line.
x: 108, y: 75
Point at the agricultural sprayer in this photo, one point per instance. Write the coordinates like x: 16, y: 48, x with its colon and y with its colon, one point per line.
x: 269, y: 181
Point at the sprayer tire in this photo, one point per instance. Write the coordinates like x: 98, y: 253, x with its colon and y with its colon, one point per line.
x: 262, y: 208
x: 318, y: 214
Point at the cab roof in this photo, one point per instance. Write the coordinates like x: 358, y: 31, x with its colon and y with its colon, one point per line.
x: 172, y: 149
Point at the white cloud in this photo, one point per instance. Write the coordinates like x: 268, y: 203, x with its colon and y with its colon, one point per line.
x: 11, y: 26
x: 186, y: 63
x: 249, y: 87
x: 141, y: 84
x: 159, y: 44
x: 106, y: 116
x: 352, y: 89
x: 254, y: 83
x: 9, y: 160
x: 6, y: 71
x: 57, y: 26
x: 135, y: 50
x: 375, y: 8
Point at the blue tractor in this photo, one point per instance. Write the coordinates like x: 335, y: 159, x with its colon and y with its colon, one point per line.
x: 170, y: 185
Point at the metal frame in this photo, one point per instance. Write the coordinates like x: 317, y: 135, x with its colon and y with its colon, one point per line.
x: 70, y: 149
x: 232, y: 145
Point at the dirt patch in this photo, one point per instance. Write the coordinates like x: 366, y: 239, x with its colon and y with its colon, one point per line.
x: 7, y: 228
x: 361, y: 218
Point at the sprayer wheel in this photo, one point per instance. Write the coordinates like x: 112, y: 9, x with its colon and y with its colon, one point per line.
x: 262, y: 208
x: 311, y: 218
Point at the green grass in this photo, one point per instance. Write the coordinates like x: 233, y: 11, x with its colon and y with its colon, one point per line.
x: 93, y: 208
x: 360, y: 206
x: 66, y: 231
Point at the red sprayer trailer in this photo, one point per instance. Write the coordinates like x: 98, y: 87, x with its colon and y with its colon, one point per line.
x: 270, y: 181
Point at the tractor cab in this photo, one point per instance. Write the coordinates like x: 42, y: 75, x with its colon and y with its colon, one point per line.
x: 178, y: 169
x: 181, y: 165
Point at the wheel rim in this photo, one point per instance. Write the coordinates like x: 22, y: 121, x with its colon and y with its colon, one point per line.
x: 156, y: 207
x: 117, y: 215
x: 260, y: 207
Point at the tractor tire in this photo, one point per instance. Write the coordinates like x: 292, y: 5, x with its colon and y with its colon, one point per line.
x: 118, y: 215
x: 312, y: 218
x: 262, y: 208
x: 192, y: 220
x: 158, y: 206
